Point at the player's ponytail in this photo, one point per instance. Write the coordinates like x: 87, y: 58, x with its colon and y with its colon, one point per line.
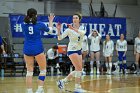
x: 27, y: 19
x: 31, y: 16
x: 34, y: 19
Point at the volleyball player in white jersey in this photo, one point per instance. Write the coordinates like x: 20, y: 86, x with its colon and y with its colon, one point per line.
x: 85, y: 50
x: 75, y: 34
x: 137, y: 52
x: 95, y: 49
x: 108, y: 48
x: 121, y: 48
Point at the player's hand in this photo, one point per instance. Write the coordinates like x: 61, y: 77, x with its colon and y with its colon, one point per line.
x: 51, y: 17
x: 70, y: 26
x: 58, y: 26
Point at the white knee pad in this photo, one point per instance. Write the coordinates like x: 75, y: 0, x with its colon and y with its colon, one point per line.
x: 78, y: 74
x: 29, y: 73
x: 43, y: 72
x: 124, y: 62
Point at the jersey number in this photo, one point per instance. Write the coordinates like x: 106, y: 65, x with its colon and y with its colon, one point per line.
x: 30, y: 30
x: 78, y: 38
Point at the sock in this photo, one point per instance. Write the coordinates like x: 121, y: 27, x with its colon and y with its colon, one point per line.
x: 29, y: 89
x: 77, y: 86
x: 91, y: 64
x: 110, y: 66
x: 98, y: 65
x: 125, y: 66
x: 106, y: 64
x: 39, y: 87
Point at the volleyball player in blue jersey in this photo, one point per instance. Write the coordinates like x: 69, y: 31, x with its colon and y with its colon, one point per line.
x: 33, y: 47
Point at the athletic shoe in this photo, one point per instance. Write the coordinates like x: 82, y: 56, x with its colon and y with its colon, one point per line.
x: 61, y: 84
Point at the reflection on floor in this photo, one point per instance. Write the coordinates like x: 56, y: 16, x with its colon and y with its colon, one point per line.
x: 93, y: 84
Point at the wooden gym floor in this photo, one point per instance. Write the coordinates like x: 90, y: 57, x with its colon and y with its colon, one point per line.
x: 93, y: 84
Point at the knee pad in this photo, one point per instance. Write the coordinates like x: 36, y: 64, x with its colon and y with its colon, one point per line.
x: 124, y: 62
x: 29, y: 73
x: 42, y: 75
x: 78, y: 74
x: 43, y: 72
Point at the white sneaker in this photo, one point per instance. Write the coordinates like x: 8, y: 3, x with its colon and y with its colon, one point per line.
x: 40, y: 90
x: 79, y: 90
x: 61, y: 84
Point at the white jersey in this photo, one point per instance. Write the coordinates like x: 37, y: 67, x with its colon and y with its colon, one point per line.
x: 50, y: 54
x: 95, y: 42
x: 76, y: 38
x: 85, y: 44
x: 137, y: 44
x: 108, y: 48
x: 121, y: 45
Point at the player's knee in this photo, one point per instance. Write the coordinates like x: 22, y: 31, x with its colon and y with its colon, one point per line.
x: 42, y: 75
x: 78, y: 74
x: 29, y: 73
x: 124, y: 62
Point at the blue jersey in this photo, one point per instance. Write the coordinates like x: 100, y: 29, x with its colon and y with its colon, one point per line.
x: 0, y: 41
x: 32, y: 33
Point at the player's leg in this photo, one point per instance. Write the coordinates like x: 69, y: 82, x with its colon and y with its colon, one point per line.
x: 75, y: 61
x: 41, y: 60
x: 110, y: 63
x: 137, y: 56
x: 124, y: 64
x: 92, y: 55
x: 84, y: 54
x: 106, y: 64
x: 29, y: 65
x: 120, y: 57
x: 97, y: 55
